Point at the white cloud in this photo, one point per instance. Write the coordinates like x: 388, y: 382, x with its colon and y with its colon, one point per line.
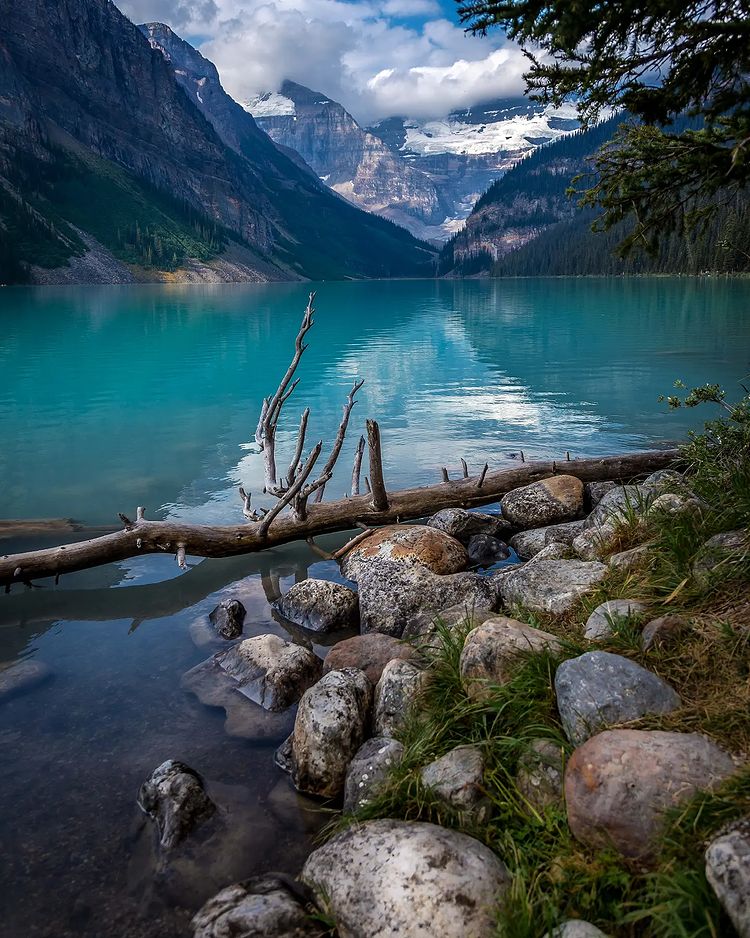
x: 377, y: 59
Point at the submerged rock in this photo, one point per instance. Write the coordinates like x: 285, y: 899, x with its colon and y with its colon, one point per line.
x: 269, y: 906
x: 602, y: 622
x: 174, y: 798
x: 23, y: 676
x: 551, y: 501
x: 320, y: 606
x: 411, y: 879
x: 395, y: 693
x: 329, y: 729
x: 548, y: 585
x: 620, y: 784
x: 457, y: 779
x: 728, y: 872
x: 369, y: 769
x: 599, y: 689
x: 370, y: 653
x: 492, y: 650
x: 270, y: 671
x: 228, y: 618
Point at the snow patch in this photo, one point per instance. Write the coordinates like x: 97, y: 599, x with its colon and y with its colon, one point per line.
x: 271, y: 104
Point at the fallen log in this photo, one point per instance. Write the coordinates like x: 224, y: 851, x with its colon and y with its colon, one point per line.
x: 142, y: 537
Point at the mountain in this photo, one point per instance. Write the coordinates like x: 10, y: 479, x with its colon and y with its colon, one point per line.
x: 527, y: 225
x: 353, y: 162
x: 112, y: 169
x: 425, y: 174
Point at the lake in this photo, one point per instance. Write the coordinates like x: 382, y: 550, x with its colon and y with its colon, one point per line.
x: 113, y: 397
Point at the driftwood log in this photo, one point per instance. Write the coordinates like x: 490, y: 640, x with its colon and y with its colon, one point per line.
x: 305, y: 520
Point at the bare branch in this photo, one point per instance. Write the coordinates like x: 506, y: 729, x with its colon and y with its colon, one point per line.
x: 480, y: 483
x: 300, y: 446
x: 354, y: 542
x: 289, y: 496
x: 357, y: 470
x: 465, y: 468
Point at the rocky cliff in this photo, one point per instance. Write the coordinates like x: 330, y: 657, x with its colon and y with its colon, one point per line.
x: 100, y: 138
x: 353, y: 162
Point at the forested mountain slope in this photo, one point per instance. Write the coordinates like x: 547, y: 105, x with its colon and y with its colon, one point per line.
x: 108, y: 171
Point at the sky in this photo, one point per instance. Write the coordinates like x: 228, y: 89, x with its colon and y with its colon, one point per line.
x: 394, y: 57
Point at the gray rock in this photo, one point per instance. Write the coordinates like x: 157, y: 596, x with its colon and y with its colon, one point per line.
x: 663, y: 480
x: 627, y: 559
x: 270, y: 906
x: 599, y: 689
x: 463, y: 525
x: 529, y: 543
x: 670, y: 503
x: 540, y: 774
x: 228, y: 618
x: 559, y: 498
x: 617, y: 503
x: 22, y: 676
x: 410, y: 879
x: 548, y: 585
x: 370, y: 653
x: 620, y: 784
x: 595, y: 491
x: 395, y: 694
x: 369, y: 769
x: 596, y: 543
x: 576, y: 928
x: 728, y: 872
x: 244, y: 718
x: 422, y: 630
x: 331, y: 722
x: 720, y: 554
x: 603, y: 621
x: 662, y: 631
x: 174, y: 798
x: 484, y: 550
x: 491, y: 651
x: 457, y: 779
x: 270, y: 671
x: 320, y: 606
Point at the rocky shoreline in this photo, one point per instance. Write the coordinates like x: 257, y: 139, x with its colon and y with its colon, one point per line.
x: 502, y: 592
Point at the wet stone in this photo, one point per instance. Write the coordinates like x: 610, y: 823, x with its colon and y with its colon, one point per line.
x: 484, y: 550
x: 320, y: 606
x: 228, y: 618
x: 174, y: 798
x: 22, y: 677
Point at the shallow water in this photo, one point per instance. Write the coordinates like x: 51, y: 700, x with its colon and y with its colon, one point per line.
x: 114, y: 397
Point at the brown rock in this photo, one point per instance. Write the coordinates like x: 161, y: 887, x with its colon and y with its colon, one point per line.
x: 370, y: 653
x: 551, y: 501
x: 408, y: 545
x: 491, y: 650
x: 620, y: 783
x: 662, y: 631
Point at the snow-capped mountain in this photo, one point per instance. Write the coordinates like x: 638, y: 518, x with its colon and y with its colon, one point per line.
x: 426, y: 174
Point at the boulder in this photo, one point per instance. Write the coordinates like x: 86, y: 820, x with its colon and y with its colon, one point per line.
x: 320, y: 606
x: 406, y: 545
x: 670, y: 503
x: 491, y: 651
x: 664, y: 480
x: 617, y: 503
x: 549, y: 585
x: 662, y: 631
x: 575, y: 928
x: 603, y: 621
x: 463, y: 525
x: 559, y: 498
x: 22, y: 676
x: 390, y: 597
x: 244, y: 718
x: 395, y: 693
x: 627, y: 559
x: 228, y: 618
x: 369, y: 769
x: 720, y: 554
x: 175, y: 800
x: 270, y: 671
x: 620, y: 784
x: 370, y: 653
x: 540, y: 774
x: 599, y: 689
x: 457, y: 779
x: 728, y: 872
x: 595, y: 491
x: 529, y: 543
x: 269, y: 906
x: 423, y: 627
x: 330, y: 726
x: 410, y: 879
x: 484, y: 550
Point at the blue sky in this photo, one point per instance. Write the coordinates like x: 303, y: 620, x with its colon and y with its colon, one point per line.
x: 406, y: 57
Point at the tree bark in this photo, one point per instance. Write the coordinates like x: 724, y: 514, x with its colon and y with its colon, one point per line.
x: 174, y: 537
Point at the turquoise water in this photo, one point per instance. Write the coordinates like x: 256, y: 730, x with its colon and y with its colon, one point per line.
x: 114, y: 397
